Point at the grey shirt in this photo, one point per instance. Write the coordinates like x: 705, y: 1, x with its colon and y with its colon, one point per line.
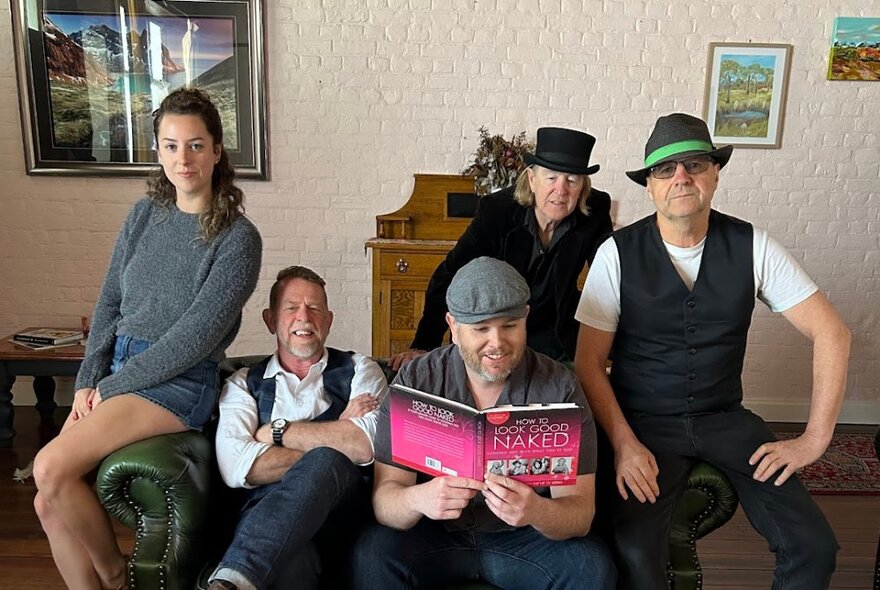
x: 166, y: 285
x: 537, y: 379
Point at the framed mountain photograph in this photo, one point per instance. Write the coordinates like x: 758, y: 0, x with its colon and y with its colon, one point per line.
x: 91, y: 73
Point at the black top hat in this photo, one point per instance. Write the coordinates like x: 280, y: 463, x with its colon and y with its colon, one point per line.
x: 563, y: 150
x: 675, y: 137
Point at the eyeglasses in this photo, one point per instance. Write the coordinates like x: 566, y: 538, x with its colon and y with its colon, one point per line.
x: 692, y: 166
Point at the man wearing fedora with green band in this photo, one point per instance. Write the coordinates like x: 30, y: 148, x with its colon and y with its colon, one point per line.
x: 670, y: 298
x: 547, y: 227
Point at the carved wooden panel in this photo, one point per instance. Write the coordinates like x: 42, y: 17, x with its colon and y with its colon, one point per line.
x: 403, y: 316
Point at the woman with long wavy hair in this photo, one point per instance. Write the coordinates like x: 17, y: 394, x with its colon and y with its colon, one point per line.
x: 184, y: 264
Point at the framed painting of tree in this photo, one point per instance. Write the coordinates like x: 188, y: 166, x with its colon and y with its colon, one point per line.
x: 746, y: 89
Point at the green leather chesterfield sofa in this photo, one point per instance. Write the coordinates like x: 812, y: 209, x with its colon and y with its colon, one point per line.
x: 168, y: 490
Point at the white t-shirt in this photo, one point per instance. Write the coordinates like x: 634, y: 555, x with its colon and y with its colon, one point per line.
x: 780, y: 282
x: 296, y: 400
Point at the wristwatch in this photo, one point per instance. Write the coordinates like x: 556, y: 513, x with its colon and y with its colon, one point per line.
x: 279, y: 425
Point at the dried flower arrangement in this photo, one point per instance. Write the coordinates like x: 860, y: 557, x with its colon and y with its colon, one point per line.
x: 497, y: 161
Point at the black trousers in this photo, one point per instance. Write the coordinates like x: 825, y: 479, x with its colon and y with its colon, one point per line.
x: 786, y: 516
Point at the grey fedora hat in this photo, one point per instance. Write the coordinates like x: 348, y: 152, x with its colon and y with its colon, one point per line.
x: 675, y: 137
x: 563, y: 150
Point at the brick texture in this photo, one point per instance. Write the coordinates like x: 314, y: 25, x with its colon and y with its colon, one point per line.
x: 362, y: 94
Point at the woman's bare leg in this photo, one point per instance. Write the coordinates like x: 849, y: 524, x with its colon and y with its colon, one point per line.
x: 78, y: 525
x: 71, y: 558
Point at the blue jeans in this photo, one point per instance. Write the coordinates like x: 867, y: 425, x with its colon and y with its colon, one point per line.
x: 274, y: 544
x: 428, y: 555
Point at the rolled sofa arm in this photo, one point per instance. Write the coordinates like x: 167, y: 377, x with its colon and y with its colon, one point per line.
x: 158, y: 487
x: 708, y: 502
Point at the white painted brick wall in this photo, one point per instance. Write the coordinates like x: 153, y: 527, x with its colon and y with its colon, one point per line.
x: 362, y: 94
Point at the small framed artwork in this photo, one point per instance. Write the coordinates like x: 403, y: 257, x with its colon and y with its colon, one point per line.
x: 746, y: 89
x: 855, y: 49
x: 91, y: 72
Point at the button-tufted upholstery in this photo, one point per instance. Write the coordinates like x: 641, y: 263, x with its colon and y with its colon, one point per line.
x: 168, y: 490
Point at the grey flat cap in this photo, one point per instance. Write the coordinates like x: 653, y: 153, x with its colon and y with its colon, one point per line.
x: 486, y: 288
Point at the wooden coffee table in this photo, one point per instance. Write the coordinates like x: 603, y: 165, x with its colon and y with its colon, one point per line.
x: 43, y: 366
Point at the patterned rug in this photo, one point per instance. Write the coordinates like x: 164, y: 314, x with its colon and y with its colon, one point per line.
x: 848, y: 467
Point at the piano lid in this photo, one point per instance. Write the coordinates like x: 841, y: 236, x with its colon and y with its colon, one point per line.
x: 440, y: 207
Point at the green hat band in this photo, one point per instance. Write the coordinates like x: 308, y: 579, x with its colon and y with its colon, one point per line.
x: 679, y: 147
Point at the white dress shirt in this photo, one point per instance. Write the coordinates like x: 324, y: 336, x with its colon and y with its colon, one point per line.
x: 296, y: 400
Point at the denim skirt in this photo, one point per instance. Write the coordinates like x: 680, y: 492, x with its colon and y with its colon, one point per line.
x: 191, y: 395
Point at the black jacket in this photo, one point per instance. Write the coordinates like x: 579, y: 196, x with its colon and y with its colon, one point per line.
x: 498, y: 230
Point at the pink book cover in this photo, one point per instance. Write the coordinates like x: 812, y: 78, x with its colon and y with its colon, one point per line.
x: 535, y: 444
x: 433, y: 435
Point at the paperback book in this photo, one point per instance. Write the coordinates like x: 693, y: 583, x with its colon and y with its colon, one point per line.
x: 32, y: 346
x: 49, y: 336
x: 536, y: 444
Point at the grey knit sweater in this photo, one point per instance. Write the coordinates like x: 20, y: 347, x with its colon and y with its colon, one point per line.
x: 167, y: 286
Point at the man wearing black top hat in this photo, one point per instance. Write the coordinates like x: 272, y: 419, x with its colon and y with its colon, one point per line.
x: 670, y: 299
x: 547, y: 227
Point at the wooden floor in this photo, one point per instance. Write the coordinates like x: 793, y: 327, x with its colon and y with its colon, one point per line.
x: 25, y: 560
x: 733, y: 557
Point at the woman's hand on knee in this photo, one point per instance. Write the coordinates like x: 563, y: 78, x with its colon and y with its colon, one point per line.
x: 83, y: 402
x: 95, y: 399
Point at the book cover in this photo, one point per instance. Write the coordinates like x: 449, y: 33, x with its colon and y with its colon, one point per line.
x: 49, y: 336
x: 535, y: 444
x: 431, y: 434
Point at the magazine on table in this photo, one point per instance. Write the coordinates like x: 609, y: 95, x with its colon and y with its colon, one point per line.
x: 32, y: 346
x: 49, y: 336
x: 536, y: 444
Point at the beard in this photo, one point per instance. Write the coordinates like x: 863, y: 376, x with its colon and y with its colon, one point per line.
x: 304, y: 352
x: 473, y: 361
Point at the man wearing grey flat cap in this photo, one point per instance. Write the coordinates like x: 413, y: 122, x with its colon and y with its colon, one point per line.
x: 547, y: 227
x: 671, y: 297
x: 435, y: 531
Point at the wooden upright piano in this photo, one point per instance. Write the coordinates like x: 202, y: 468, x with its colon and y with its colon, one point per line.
x: 409, y: 245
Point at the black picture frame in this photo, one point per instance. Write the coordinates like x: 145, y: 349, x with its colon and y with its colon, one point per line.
x: 90, y: 73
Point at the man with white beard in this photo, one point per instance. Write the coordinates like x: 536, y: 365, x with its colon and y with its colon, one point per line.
x: 293, y: 430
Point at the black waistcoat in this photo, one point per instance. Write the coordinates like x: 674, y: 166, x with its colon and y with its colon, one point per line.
x: 337, y: 377
x: 678, y: 351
